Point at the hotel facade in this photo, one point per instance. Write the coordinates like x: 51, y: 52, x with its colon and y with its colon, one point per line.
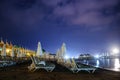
x: 10, y: 50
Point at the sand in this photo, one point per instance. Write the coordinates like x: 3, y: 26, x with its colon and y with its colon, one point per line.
x: 20, y: 72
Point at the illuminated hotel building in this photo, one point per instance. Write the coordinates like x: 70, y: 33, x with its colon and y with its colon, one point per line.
x: 10, y: 50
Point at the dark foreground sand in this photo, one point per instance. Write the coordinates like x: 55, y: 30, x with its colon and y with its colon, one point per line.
x: 20, y: 72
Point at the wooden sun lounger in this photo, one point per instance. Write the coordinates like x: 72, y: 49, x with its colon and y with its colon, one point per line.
x: 38, y: 64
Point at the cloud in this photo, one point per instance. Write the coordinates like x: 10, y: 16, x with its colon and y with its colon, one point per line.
x: 90, y: 13
x: 93, y: 13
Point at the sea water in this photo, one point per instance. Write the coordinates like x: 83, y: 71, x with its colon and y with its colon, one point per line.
x: 110, y: 64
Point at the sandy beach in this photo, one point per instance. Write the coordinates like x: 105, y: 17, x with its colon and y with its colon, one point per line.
x: 20, y: 72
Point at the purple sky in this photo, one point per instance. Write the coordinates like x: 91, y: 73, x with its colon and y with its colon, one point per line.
x: 86, y: 26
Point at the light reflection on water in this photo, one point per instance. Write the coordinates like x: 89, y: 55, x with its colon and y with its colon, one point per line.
x: 97, y: 63
x: 117, y: 65
x: 111, y: 64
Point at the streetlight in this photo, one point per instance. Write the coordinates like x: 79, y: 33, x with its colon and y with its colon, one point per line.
x: 115, y: 50
x: 97, y: 56
x: 66, y: 57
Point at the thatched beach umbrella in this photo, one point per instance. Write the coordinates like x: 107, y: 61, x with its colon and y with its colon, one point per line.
x: 3, y: 51
x: 18, y: 53
x: 63, y: 50
x: 39, y: 50
x: 12, y: 53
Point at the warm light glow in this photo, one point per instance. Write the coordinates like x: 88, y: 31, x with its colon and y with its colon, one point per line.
x: 7, y: 50
x: 115, y: 50
x: 33, y: 54
x: 28, y: 54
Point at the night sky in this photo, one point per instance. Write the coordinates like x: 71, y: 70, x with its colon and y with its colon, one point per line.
x: 86, y: 26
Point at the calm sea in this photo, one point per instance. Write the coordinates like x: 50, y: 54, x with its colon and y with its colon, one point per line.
x: 110, y: 64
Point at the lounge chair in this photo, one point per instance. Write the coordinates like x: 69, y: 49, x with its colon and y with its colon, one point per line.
x: 87, y: 68
x: 38, y: 64
x: 75, y: 68
x: 71, y: 65
x: 81, y: 67
x: 68, y: 64
x: 6, y: 63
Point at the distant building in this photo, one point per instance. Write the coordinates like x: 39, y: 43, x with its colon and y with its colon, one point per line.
x: 8, y: 49
x: 85, y: 56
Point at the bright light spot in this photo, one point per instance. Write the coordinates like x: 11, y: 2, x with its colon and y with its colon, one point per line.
x: 28, y: 54
x: 7, y: 50
x: 115, y: 50
x: 66, y: 57
x: 96, y: 56
x: 97, y: 63
x: 117, y: 64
